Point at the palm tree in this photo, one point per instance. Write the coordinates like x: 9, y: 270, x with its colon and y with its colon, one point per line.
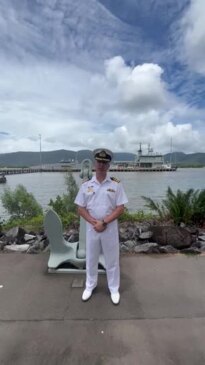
x: 160, y: 209
x: 186, y: 207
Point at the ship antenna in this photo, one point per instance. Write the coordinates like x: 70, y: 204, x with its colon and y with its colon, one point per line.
x: 171, y: 151
x: 148, y: 148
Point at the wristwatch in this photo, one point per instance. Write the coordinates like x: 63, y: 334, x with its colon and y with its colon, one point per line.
x: 104, y: 223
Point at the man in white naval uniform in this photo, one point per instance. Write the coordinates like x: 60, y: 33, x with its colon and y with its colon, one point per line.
x: 100, y: 202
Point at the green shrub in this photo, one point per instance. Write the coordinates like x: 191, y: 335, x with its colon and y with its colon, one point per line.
x: 65, y: 204
x: 72, y: 190
x: 70, y: 220
x: 20, y: 204
x: 187, y: 207
x: 198, y: 207
x: 59, y: 205
x: 29, y: 224
x: 34, y: 224
x: 1, y: 224
x: 156, y: 207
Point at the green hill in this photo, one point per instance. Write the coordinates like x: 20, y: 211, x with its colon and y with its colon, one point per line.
x: 26, y: 159
x: 183, y: 160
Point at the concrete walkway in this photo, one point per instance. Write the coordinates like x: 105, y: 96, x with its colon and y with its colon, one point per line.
x: 160, y: 320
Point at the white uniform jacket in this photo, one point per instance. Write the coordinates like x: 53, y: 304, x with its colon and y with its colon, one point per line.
x: 100, y: 199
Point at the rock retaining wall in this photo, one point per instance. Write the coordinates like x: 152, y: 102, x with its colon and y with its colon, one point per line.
x: 134, y: 238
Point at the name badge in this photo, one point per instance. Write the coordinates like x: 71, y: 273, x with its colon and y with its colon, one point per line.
x: 90, y: 189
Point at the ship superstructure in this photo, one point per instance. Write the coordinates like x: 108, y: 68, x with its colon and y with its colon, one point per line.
x: 151, y: 161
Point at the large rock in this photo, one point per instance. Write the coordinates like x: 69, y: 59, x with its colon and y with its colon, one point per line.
x: 132, y: 231
x: 71, y: 236
x: 149, y: 247
x: 2, y: 244
x: 124, y: 248
x: 130, y: 244
x: 16, y: 248
x: 167, y: 249
x: 191, y: 250
x: 177, y: 237
x: 145, y: 235
x: 29, y: 237
x: 15, y: 235
x: 202, y: 237
x: 128, y: 231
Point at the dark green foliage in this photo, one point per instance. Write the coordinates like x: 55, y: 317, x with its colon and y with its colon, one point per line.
x: 1, y: 224
x: 187, y: 207
x: 198, y: 203
x: 35, y: 224
x: 59, y: 205
x: 65, y: 204
x: 138, y: 216
x: 29, y: 224
x: 159, y: 208
x: 70, y: 220
x: 20, y: 204
x: 24, y: 210
x: 72, y: 190
x: 179, y: 205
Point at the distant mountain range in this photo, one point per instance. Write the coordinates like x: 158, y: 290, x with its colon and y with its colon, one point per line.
x: 26, y: 159
x: 183, y: 159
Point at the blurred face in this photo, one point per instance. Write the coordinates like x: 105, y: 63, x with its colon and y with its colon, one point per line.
x: 101, y: 167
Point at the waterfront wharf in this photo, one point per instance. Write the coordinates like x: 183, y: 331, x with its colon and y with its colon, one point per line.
x: 14, y: 171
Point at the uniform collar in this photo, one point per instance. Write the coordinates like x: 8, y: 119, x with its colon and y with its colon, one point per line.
x: 94, y: 179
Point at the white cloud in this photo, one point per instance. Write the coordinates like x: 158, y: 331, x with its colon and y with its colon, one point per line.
x: 139, y: 88
x: 53, y: 82
x: 75, y: 109
x: 183, y: 136
x: 194, y: 35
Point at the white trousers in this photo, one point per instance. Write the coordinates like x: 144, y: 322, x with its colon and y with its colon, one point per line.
x: 106, y: 242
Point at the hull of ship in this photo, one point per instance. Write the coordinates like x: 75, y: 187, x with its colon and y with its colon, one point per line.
x: 144, y: 169
x: 155, y: 169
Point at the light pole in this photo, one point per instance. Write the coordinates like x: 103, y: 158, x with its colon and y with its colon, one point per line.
x: 40, y: 157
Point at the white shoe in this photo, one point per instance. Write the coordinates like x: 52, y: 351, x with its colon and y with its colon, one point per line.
x: 115, y: 297
x: 86, y: 295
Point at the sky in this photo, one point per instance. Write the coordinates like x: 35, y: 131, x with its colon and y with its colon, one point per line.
x: 85, y: 74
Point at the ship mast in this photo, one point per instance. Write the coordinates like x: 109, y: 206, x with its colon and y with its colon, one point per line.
x: 171, y: 151
x: 140, y: 150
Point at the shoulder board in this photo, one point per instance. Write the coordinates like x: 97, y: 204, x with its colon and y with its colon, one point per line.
x: 115, y: 179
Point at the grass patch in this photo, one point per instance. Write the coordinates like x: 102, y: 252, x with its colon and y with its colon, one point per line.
x: 138, y: 216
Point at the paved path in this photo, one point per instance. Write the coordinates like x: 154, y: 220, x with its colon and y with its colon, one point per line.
x: 160, y: 320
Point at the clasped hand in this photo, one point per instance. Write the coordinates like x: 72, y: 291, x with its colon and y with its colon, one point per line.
x: 98, y: 225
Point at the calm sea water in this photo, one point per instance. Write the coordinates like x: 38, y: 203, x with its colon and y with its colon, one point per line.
x: 45, y: 186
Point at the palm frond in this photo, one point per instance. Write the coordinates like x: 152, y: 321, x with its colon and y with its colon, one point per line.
x: 153, y: 206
